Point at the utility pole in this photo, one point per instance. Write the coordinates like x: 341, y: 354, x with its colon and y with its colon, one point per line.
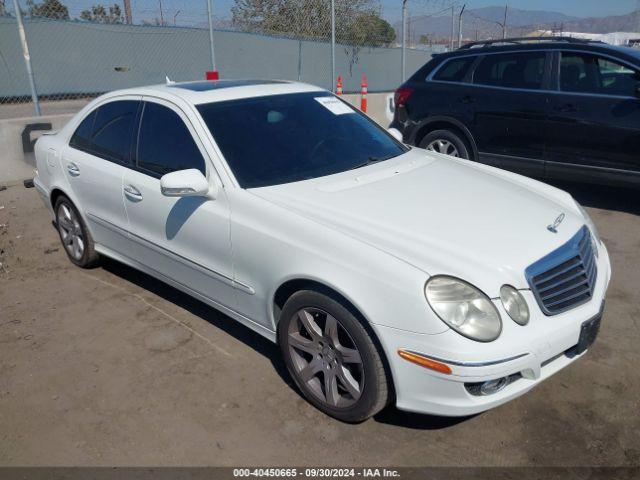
x: 175, y: 16
x: 504, y: 23
x: 453, y: 27
x: 460, y: 26
x: 161, y: 14
x: 333, y: 45
x: 127, y: 12
x: 27, y: 57
x: 403, y: 68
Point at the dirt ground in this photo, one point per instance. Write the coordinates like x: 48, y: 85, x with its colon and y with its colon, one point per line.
x: 110, y: 367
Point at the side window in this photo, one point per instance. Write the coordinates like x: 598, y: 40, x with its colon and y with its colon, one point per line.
x: 81, y: 138
x: 107, y: 131
x: 511, y: 70
x: 586, y: 73
x: 165, y: 143
x: 454, y: 70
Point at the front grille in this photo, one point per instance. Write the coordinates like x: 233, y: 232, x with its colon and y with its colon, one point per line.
x: 566, y: 277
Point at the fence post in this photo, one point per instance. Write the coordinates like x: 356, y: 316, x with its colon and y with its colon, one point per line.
x: 210, y: 15
x: 27, y: 57
x: 333, y: 43
x: 299, y: 60
x: 404, y: 41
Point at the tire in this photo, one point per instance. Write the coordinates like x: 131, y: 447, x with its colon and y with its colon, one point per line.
x: 340, y: 386
x: 451, y: 143
x: 74, y: 234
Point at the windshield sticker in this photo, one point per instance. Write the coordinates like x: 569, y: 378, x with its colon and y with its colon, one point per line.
x: 334, y: 105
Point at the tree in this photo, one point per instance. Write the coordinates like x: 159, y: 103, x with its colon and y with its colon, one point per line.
x: 99, y: 14
x: 358, y: 22
x: 48, y: 9
x: 370, y: 29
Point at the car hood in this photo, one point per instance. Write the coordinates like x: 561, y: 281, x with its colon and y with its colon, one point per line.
x: 441, y: 215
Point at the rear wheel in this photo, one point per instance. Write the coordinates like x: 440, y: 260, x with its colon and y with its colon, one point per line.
x: 331, y: 357
x: 74, y: 235
x: 446, y: 142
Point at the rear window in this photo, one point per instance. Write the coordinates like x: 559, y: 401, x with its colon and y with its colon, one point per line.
x: 454, y: 70
x: 511, y: 70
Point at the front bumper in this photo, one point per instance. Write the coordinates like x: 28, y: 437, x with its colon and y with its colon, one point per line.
x: 528, y: 354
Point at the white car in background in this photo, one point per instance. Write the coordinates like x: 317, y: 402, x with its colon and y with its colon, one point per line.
x: 385, y: 274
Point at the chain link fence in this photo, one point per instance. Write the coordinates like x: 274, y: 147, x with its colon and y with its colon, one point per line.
x: 78, y: 49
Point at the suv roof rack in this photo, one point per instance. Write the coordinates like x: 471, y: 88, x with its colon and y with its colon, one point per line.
x: 518, y: 40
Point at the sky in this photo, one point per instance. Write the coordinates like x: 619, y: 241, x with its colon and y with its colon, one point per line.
x: 189, y: 12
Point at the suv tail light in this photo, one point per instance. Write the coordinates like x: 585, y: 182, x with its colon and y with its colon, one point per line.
x: 402, y: 95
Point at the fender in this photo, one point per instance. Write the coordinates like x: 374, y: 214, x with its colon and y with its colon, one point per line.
x: 419, y: 126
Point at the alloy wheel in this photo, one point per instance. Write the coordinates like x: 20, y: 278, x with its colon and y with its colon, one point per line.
x: 70, y: 231
x: 443, y: 146
x: 325, y: 358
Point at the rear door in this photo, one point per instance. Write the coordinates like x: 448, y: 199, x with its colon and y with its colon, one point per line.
x: 186, y: 240
x: 441, y: 93
x: 595, y: 117
x: 510, y: 109
x: 94, y: 163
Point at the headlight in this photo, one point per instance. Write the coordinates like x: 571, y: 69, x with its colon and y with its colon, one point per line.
x: 591, y: 225
x: 464, y: 308
x: 515, y: 304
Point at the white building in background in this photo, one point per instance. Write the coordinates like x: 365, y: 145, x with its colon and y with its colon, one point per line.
x: 613, y: 38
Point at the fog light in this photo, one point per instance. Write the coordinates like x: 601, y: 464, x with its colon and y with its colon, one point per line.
x: 493, y: 386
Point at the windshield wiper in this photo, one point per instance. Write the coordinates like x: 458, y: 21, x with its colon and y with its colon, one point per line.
x: 371, y: 161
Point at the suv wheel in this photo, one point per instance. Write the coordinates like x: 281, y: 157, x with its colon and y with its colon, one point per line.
x: 331, y: 357
x: 446, y: 142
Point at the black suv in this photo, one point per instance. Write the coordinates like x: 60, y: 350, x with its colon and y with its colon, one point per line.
x: 554, y: 107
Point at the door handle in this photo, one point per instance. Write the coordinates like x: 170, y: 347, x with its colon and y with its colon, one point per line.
x: 73, y: 169
x: 132, y: 193
x: 467, y: 99
x: 566, y: 108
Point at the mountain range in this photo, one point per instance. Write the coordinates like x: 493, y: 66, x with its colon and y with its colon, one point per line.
x: 486, y: 23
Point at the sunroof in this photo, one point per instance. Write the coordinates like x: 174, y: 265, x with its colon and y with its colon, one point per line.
x: 204, y: 85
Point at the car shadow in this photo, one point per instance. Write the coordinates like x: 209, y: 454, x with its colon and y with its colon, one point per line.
x: 418, y: 421
x: 194, y: 306
x: 390, y: 415
x: 602, y: 196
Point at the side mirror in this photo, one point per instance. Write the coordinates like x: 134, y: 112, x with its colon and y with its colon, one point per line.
x: 395, y: 133
x: 185, y: 183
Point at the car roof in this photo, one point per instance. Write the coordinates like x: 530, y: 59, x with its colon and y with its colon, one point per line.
x: 531, y: 44
x: 208, y: 91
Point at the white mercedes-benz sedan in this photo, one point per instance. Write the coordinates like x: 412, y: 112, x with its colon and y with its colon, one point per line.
x: 385, y: 274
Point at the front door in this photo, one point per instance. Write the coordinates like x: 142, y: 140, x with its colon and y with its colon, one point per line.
x: 595, y: 118
x: 186, y: 240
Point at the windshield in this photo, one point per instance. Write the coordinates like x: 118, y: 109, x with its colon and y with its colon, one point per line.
x: 287, y: 138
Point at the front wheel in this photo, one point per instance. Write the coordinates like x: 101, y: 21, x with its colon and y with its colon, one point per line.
x: 331, y: 357
x: 446, y: 142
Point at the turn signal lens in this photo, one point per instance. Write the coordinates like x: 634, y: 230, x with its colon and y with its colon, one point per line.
x: 425, y: 362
